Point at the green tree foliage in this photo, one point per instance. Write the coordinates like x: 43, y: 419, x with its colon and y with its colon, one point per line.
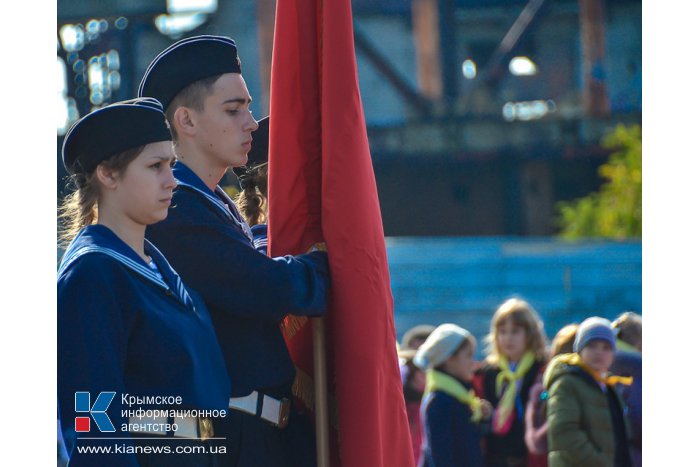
x: 616, y: 210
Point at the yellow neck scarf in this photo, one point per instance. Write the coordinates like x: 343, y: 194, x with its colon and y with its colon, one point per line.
x: 609, y: 380
x: 507, y: 402
x: 438, y: 381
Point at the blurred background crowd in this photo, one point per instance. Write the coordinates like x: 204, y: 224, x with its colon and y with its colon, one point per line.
x: 533, y: 417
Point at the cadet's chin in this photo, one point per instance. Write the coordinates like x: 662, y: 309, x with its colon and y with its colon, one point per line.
x: 240, y: 160
x: 158, y: 216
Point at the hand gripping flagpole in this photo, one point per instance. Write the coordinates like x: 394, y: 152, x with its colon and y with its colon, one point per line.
x: 320, y: 392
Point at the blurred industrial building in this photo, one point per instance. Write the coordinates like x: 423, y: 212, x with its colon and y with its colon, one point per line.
x: 481, y: 116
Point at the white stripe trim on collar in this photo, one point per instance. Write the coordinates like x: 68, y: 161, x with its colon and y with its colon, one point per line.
x: 221, y: 206
x: 145, y: 271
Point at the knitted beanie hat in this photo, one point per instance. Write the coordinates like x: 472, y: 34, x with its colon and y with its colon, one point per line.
x: 594, y: 328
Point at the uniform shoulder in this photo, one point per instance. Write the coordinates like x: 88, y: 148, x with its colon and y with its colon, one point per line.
x: 91, y: 263
x: 189, y: 206
x: 185, y: 197
x: 91, y: 272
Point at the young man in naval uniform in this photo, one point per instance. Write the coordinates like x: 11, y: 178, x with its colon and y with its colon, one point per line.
x: 207, y: 103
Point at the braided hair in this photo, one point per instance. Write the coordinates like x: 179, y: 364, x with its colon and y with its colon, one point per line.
x: 252, y: 200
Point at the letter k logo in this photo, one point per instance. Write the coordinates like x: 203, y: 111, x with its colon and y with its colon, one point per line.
x: 98, y: 411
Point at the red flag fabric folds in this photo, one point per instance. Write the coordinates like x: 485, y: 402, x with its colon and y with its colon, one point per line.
x: 322, y: 187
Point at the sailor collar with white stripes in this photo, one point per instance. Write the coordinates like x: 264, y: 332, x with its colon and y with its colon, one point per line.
x: 185, y: 177
x: 99, y: 241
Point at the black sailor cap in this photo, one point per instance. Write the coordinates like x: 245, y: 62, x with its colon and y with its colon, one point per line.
x: 187, y: 61
x: 111, y: 130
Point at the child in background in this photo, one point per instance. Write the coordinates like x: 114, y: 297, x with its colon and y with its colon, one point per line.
x: 628, y: 362
x: 584, y: 411
x: 451, y: 412
x: 413, y: 380
x: 629, y: 332
x: 517, y: 355
x: 414, y: 337
x: 535, y: 416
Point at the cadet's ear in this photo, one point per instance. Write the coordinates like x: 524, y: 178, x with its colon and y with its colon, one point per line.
x: 107, y: 177
x: 184, y: 122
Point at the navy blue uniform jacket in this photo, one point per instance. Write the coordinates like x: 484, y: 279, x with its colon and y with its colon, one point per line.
x: 451, y: 439
x: 247, y: 293
x: 119, y: 331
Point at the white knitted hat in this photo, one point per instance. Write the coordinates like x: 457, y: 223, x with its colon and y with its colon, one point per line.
x: 440, y: 346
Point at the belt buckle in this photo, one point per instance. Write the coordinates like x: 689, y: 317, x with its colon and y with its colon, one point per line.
x: 285, y: 407
x: 206, y: 428
x: 247, y: 404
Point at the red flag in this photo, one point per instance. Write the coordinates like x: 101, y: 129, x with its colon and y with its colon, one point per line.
x: 322, y: 187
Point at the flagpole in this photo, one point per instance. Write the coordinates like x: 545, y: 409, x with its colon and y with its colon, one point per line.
x: 323, y: 458
x: 320, y: 392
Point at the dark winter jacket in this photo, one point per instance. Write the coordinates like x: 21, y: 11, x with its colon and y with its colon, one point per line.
x: 630, y: 364
x: 451, y: 439
x: 587, y: 426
